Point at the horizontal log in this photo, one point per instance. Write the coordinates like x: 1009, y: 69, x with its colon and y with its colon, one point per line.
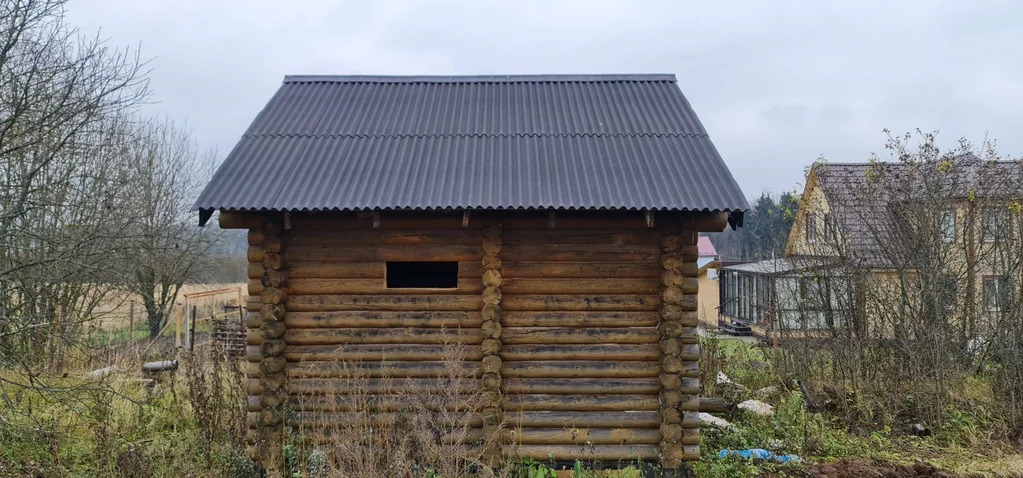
x: 530, y: 248
x: 547, y: 253
x: 585, y: 386
x: 453, y: 252
x: 254, y: 270
x: 579, y: 319
x: 619, y: 302
x: 581, y: 352
x: 326, y: 270
x: 575, y: 220
x: 580, y: 369
x: 580, y: 269
x: 460, y: 439
x: 376, y: 403
x: 439, y: 319
x: 581, y: 402
x: 362, y: 386
x: 383, y: 220
x: 705, y: 221
x: 582, y: 436
x: 472, y: 285
x: 313, y: 303
x: 253, y: 288
x: 374, y: 352
x: 407, y: 335
x: 544, y: 453
x: 159, y: 366
x: 239, y: 220
x: 374, y: 237
x: 594, y: 335
x: 559, y: 235
x: 350, y: 270
x: 343, y: 420
x: 532, y: 419
x: 382, y: 369
x: 581, y: 286
x: 715, y: 405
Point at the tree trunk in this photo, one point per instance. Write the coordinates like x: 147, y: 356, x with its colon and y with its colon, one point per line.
x: 154, y: 317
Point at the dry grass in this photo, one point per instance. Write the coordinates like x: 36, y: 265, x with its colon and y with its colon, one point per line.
x: 114, y: 312
x: 413, y: 431
x: 189, y: 423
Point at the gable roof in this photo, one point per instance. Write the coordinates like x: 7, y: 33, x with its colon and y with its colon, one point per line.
x: 624, y: 142
x: 705, y: 247
x: 866, y: 199
x: 861, y: 208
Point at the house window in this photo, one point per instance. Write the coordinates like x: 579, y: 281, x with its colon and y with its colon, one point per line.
x: 996, y: 222
x: 743, y: 297
x: 733, y: 285
x: 422, y: 275
x: 830, y: 231
x: 994, y: 293
x: 811, y: 227
x: 948, y: 226
x: 810, y: 292
x: 760, y: 300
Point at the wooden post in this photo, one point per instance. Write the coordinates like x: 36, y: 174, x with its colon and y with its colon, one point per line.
x: 679, y: 411
x: 191, y: 328
x: 177, y: 328
x: 272, y: 362
x: 131, y: 322
x: 241, y: 313
x: 491, y: 313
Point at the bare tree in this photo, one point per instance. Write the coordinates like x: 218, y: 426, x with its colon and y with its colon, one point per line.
x: 63, y: 100
x: 167, y: 249
x: 924, y: 260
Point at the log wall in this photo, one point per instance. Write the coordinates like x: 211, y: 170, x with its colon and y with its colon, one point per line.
x: 581, y: 355
x: 582, y: 336
x: 344, y: 328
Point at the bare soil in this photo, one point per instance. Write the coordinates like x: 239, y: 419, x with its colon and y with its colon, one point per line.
x: 865, y: 468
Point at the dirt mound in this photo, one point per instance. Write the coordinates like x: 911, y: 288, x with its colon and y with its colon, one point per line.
x: 879, y: 469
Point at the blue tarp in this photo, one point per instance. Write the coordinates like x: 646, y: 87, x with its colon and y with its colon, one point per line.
x: 760, y: 454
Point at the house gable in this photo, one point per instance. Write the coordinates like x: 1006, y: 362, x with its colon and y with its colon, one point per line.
x: 814, y: 207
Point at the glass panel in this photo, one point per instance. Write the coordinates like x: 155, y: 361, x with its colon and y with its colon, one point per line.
x: 948, y: 226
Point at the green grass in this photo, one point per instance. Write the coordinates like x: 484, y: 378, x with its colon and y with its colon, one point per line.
x: 964, y: 443
x: 96, y: 430
x: 87, y: 432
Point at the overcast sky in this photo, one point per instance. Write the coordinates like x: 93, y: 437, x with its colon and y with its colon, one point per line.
x: 777, y: 84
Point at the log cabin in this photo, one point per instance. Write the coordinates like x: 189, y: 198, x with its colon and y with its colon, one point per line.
x: 550, y: 222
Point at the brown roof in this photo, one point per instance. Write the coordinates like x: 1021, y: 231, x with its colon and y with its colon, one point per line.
x: 867, y: 199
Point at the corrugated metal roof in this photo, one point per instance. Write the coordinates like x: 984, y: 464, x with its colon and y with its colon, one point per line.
x: 500, y: 142
x: 780, y: 265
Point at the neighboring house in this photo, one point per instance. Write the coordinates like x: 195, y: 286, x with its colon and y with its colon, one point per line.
x: 548, y: 223
x: 708, y: 275
x: 781, y: 297
x: 865, y: 233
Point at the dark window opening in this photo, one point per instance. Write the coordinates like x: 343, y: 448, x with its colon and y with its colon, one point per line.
x: 423, y: 275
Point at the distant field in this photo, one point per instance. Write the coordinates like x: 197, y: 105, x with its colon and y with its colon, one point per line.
x: 114, y: 313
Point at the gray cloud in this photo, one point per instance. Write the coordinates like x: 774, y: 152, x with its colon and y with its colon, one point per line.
x: 777, y: 84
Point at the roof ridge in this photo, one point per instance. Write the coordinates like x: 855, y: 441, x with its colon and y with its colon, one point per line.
x: 480, y: 207
x: 475, y: 135
x: 541, y: 78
